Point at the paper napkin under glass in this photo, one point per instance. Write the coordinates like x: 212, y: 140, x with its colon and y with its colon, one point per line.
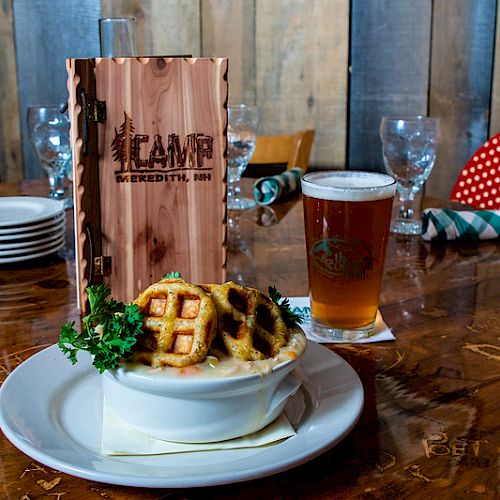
x: 267, y: 190
x: 443, y: 224
x: 120, y: 439
x: 301, y: 306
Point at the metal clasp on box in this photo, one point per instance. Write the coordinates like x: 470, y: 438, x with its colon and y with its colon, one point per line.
x: 102, y: 265
x: 93, y: 111
x: 96, y: 111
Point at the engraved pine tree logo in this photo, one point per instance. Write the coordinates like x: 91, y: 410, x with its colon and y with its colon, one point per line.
x: 122, y: 145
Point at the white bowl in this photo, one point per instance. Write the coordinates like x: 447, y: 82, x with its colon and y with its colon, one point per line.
x: 194, y: 409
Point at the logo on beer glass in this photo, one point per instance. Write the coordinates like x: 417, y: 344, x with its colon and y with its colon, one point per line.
x: 338, y: 257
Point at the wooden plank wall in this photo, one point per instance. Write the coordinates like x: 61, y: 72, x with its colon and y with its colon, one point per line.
x: 44, y: 38
x: 390, y: 50
x: 236, y: 41
x: 334, y: 65
x: 10, y: 137
x: 422, y: 57
x: 495, y: 90
x: 301, y: 72
x: 460, y: 90
x: 164, y: 27
x: 290, y: 57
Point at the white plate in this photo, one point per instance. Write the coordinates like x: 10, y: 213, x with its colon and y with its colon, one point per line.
x: 38, y: 247
x: 34, y: 241
x: 52, y: 411
x: 17, y: 210
x: 35, y: 230
x: 21, y: 258
x: 29, y: 230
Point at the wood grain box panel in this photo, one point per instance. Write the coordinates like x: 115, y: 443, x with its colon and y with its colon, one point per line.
x: 150, y: 179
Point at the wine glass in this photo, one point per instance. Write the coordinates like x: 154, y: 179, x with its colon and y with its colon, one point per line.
x: 241, y: 139
x: 409, y: 151
x: 49, y: 133
x: 240, y: 262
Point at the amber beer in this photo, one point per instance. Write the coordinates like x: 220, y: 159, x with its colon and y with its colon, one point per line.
x: 347, y: 218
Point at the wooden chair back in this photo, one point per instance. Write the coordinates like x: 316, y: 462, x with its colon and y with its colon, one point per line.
x: 291, y: 150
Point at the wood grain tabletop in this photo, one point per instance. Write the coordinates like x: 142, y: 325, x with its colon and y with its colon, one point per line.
x: 429, y: 427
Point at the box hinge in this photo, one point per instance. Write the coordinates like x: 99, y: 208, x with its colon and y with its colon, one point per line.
x: 102, y: 265
x: 96, y: 111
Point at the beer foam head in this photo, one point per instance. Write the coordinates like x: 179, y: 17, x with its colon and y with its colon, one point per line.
x: 348, y: 186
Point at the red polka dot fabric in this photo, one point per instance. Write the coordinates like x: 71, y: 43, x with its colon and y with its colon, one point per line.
x: 478, y: 184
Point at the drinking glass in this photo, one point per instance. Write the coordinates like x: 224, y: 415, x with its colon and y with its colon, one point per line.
x: 241, y: 139
x: 117, y: 37
x: 240, y: 262
x: 49, y: 133
x: 409, y: 151
x: 347, y: 215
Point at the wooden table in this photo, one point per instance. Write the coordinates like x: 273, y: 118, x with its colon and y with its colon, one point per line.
x: 429, y: 428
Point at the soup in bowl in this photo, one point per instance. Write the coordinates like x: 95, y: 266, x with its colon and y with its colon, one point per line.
x: 218, y: 399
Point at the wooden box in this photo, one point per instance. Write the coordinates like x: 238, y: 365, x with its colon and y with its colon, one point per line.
x: 149, y: 170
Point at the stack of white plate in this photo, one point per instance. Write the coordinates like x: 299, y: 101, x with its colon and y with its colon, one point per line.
x: 30, y: 227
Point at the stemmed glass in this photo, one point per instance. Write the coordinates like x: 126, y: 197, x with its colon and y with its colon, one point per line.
x: 240, y: 263
x: 49, y: 133
x: 241, y: 139
x: 409, y: 151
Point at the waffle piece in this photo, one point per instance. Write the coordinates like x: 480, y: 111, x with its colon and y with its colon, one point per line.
x: 249, y: 323
x: 179, y: 322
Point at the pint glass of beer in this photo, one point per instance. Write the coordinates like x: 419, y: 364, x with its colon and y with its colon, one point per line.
x: 347, y: 218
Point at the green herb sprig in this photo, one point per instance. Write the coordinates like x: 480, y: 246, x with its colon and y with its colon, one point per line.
x: 173, y: 274
x: 289, y: 317
x: 108, y: 333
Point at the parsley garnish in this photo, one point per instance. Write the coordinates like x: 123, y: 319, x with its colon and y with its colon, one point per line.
x: 289, y: 317
x: 173, y: 274
x: 108, y: 332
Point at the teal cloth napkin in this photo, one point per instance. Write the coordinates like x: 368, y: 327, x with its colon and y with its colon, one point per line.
x: 443, y: 224
x: 267, y: 190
